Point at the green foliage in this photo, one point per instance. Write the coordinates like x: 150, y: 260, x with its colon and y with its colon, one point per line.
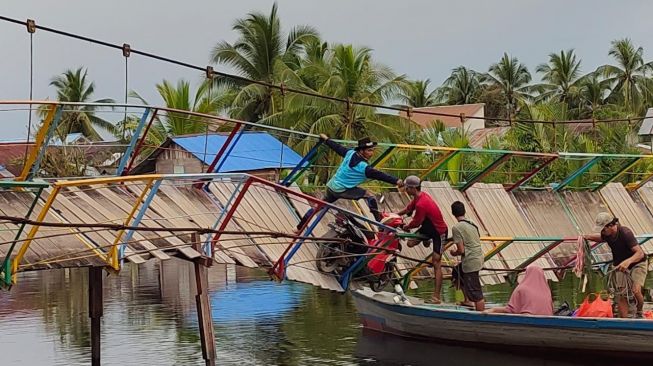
x: 462, y: 87
x: 260, y: 48
x: 73, y: 86
x: 512, y: 78
x: 207, y: 99
x: 298, y: 58
x: 561, y: 78
x: 416, y: 94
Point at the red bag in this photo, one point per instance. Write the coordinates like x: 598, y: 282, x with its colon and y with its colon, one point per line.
x: 597, y: 308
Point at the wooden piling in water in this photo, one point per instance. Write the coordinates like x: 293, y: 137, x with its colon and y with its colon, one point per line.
x: 205, y: 320
x: 95, y: 311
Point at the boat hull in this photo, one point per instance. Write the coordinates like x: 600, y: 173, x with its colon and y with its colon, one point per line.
x: 379, y: 312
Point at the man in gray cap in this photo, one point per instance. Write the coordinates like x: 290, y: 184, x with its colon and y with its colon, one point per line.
x: 627, y: 257
x: 428, y: 218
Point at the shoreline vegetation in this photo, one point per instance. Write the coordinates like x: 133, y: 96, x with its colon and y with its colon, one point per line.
x: 298, y: 57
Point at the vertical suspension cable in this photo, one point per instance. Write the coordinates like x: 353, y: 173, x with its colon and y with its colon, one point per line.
x: 283, y: 103
x: 31, y: 28
x: 209, y: 77
x: 126, y: 51
x: 124, y: 122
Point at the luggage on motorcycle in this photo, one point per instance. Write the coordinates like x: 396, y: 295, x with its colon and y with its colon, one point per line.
x: 376, y: 264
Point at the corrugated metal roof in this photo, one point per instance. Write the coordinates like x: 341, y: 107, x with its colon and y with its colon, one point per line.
x: 478, y: 138
x: 425, y: 120
x: 647, y: 124
x: 254, y: 151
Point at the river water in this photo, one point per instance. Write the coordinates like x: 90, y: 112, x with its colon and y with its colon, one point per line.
x: 150, y: 319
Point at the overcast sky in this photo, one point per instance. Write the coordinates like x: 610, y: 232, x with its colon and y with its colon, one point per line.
x: 422, y: 39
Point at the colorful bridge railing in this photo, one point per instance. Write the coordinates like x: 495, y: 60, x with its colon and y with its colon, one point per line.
x: 442, y: 155
x: 115, y: 255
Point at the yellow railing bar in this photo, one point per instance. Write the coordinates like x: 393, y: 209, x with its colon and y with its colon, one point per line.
x: 38, y: 143
x: 106, y: 180
x: 32, y: 233
x: 425, y: 147
x: 113, y: 253
x: 436, y: 164
x: 385, y: 159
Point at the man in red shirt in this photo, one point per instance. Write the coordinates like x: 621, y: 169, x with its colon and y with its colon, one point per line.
x: 428, y: 218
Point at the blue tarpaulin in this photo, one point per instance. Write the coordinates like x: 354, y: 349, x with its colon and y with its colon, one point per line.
x: 254, y: 151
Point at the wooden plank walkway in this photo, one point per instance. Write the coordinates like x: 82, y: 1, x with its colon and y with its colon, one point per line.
x: 263, y: 209
x: 633, y: 210
x: 177, y: 205
x: 501, y: 217
x: 52, y: 247
x: 199, y: 207
x: 584, y: 206
x: 547, y: 215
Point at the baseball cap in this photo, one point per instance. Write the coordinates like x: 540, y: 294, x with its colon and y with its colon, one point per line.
x: 412, y: 181
x: 602, y: 219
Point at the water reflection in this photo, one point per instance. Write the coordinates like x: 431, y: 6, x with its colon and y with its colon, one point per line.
x: 380, y: 349
x: 150, y: 318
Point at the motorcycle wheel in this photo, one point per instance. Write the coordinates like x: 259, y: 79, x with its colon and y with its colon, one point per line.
x: 384, y: 279
x: 325, y: 252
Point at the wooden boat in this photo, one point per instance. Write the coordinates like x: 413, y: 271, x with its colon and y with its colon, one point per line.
x: 380, y: 312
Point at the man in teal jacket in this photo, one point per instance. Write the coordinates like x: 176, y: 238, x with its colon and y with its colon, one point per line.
x: 353, y: 171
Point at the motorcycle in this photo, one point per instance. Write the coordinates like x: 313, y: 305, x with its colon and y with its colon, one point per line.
x: 344, y: 259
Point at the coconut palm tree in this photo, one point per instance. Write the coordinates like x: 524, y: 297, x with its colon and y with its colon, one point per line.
x: 628, y: 76
x: 592, y: 94
x: 205, y: 100
x: 346, y: 73
x: 512, y: 78
x: 561, y: 76
x: 461, y: 87
x: 74, y: 86
x: 343, y: 72
x: 261, y: 44
x: 416, y: 94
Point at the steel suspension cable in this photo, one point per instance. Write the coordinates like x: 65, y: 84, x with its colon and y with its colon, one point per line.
x: 309, y: 92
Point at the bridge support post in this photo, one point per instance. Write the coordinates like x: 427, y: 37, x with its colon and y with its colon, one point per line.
x: 204, y: 318
x: 95, y: 311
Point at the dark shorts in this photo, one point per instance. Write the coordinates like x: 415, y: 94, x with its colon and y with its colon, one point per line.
x: 469, y: 282
x: 428, y: 230
x: 355, y: 193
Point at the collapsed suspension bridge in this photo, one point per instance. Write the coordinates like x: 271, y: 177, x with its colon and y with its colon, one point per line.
x: 236, y: 218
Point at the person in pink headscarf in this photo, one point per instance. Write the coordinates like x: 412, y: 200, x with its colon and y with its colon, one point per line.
x: 532, y: 296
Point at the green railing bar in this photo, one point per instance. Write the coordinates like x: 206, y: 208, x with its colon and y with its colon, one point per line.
x: 502, y: 159
x: 590, y: 155
x: 387, y: 152
x: 577, y: 173
x: 305, y: 168
x: 618, y: 173
x: 498, y: 249
x: 36, y: 183
x: 6, y: 275
x: 440, y: 164
x: 539, y: 254
x: 405, y: 281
